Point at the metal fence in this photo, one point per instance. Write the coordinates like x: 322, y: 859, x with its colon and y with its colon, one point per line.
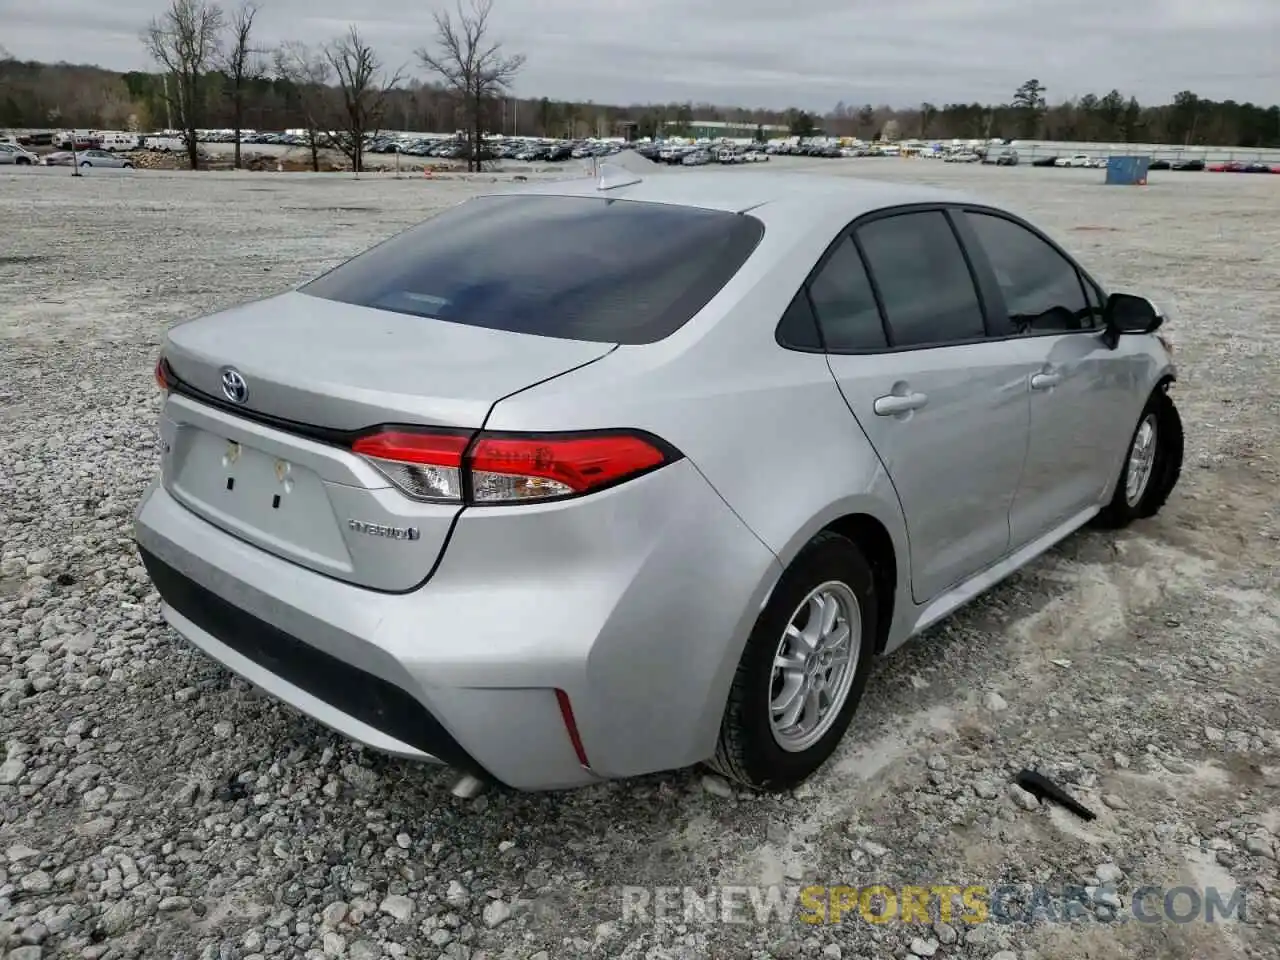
x: 1031, y: 150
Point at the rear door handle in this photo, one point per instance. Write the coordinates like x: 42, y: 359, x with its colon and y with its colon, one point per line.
x: 895, y: 403
x: 1043, y: 381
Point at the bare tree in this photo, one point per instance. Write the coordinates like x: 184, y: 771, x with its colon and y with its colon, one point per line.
x: 307, y: 72
x: 362, y: 88
x: 242, y: 64
x: 472, y: 66
x: 184, y: 41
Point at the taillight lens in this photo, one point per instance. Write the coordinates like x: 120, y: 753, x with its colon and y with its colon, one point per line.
x: 425, y: 465
x: 447, y: 466
x: 163, y: 380
x: 511, y: 468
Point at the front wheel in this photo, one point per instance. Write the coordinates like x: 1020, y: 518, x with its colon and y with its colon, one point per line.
x: 128, y: 166
x: 803, y: 670
x: 1151, y: 466
x: 86, y: 163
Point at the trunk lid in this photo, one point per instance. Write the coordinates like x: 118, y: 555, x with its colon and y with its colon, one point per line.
x: 334, y: 365
x: 273, y: 469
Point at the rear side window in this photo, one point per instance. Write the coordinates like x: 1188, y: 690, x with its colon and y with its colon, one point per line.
x: 923, y: 278
x: 798, y: 329
x: 578, y: 268
x: 845, y: 304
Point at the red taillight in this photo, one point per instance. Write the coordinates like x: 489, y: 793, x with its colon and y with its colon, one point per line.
x: 506, y: 468
x: 439, y: 449
x: 501, y: 468
x: 163, y: 380
x: 426, y: 465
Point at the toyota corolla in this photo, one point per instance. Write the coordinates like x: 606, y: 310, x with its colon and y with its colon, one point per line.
x: 600, y: 478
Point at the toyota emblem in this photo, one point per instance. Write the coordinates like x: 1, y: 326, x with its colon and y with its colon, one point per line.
x: 233, y: 386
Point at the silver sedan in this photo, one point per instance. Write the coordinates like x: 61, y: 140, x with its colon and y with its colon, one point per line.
x: 88, y: 158
x: 594, y: 479
x: 11, y: 153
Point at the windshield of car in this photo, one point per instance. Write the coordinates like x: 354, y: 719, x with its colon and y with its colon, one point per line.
x: 581, y: 268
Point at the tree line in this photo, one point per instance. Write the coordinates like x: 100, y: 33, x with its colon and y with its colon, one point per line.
x: 212, y: 71
x: 1189, y: 120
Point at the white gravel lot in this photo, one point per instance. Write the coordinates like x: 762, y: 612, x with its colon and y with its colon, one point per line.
x: 153, y: 806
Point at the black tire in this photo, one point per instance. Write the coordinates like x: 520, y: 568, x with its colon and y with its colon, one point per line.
x: 747, y: 750
x: 1165, y: 471
x: 23, y: 162
x: 85, y: 163
x: 128, y: 166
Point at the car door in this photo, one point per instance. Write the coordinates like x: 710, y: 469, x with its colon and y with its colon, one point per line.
x: 943, y: 406
x: 1078, y: 387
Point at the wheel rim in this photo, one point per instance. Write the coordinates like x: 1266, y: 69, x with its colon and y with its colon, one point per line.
x: 1142, y: 459
x: 814, y: 666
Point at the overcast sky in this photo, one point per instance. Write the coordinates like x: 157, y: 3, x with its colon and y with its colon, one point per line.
x: 770, y: 53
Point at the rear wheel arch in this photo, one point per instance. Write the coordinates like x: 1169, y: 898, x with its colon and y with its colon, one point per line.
x: 873, y: 539
x: 748, y: 748
x: 875, y: 526
x: 872, y: 536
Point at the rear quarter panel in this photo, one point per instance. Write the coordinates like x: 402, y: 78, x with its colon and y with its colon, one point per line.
x: 766, y: 426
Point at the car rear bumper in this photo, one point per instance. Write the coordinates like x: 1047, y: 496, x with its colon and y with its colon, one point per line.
x: 635, y: 602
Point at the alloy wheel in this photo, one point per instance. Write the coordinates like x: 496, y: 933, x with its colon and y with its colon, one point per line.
x: 814, y: 666
x: 1142, y: 459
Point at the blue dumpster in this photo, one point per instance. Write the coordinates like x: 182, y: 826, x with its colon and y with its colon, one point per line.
x: 1128, y: 171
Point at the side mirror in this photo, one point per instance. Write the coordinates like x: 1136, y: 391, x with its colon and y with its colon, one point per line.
x: 1128, y: 313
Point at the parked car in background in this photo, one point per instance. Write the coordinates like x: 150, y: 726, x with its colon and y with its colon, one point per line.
x: 11, y: 153
x: 103, y: 158
x: 479, y: 498
x: 1238, y: 166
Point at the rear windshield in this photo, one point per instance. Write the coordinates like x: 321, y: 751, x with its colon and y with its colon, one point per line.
x: 579, y: 268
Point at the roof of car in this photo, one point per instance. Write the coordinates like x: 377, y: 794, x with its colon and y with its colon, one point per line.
x: 740, y: 190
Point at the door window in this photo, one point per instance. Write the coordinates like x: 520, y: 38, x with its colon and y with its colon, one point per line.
x: 1041, y: 287
x: 1096, y: 302
x: 924, y: 281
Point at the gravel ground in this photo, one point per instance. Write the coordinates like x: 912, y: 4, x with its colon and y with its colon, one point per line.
x: 154, y: 806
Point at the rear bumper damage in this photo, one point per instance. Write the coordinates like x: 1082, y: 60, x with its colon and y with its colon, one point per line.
x: 635, y: 602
